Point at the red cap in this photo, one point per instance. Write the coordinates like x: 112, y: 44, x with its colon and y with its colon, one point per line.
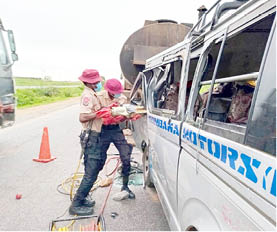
x: 90, y: 76
x: 113, y: 86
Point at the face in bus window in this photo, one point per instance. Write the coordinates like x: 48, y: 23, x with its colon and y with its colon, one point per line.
x: 171, y: 101
x: 240, y: 105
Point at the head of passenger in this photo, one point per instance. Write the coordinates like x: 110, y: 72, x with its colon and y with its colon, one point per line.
x: 91, y: 79
x: 114, y: 88
x: 224, y: 90
x: 247, y: 86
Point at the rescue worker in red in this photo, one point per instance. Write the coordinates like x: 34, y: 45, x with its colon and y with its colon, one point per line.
x: 113, y: 133
x: 93, y: 160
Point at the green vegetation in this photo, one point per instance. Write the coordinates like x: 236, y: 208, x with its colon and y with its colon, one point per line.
x: 39, y: 96
x: 40, y: 82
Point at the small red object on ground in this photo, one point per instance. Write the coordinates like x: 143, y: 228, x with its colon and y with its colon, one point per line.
x: 18, y: 196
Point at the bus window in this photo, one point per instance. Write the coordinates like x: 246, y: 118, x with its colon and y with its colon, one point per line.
x: 156, y: 85
x: 165, y: 85
x: 227, y: 108
x: 137, y: 94
x: 261, y: 132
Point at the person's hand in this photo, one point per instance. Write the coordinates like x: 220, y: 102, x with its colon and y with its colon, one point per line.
x: 113, y: 120
x: 103, y: 113
x: 114, y: 104
x: 120, y: 118
x: 135, y: 117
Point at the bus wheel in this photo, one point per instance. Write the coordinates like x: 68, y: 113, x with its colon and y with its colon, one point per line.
x: 146, y: 170
x: 191, y: 228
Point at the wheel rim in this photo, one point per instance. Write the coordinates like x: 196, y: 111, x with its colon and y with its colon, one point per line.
x: 145, y: 166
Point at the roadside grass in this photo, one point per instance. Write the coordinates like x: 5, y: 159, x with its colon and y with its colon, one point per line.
x: 40, y: 82
x: 38, y: 96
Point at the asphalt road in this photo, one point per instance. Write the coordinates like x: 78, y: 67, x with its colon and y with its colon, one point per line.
x: 37, y: 182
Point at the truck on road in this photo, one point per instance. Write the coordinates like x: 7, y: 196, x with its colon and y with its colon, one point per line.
x: 7, y: 57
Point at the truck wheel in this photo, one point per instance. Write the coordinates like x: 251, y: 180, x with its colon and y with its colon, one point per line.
x: 146, y: 170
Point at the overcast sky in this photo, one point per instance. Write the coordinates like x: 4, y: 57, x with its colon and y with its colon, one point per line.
x: 61, y: 38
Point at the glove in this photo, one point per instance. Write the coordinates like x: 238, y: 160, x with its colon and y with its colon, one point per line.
x: 114, y: 104
x: 113, y: 120
x: 119, y: 111
x: 135, y: 117
x: 103, y: 113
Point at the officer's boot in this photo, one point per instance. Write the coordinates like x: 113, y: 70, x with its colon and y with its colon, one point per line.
x: 88, y: 202
x: 126, y: 188
x: 78, y: 208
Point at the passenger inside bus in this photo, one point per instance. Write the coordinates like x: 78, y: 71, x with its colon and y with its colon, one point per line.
x: 230, y: 102
x: 171, y: 98
x: 219, y: 104
x: 241, y: 102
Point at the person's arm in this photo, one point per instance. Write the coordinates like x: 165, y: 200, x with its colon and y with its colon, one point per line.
x: 85, y: 117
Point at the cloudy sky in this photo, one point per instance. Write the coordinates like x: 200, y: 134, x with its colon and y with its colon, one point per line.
x: 61, y: 38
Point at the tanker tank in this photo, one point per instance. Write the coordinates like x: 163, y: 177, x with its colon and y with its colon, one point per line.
x: 153, y: 38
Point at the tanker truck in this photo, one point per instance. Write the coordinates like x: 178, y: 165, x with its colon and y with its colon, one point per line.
x: 7, y: 57
x: 153, y: 38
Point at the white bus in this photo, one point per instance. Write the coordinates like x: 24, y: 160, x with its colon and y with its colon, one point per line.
x: 7, y: 58
x: 209, y: 136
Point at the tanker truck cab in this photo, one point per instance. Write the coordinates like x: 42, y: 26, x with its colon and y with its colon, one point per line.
x: 211, y: 122
x: 7, y: 57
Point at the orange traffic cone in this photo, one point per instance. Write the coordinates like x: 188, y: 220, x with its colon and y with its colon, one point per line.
x: 44, y: 155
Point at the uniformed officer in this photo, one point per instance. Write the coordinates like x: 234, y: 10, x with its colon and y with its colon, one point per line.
x: 93, y: 161
x: 113, y: 133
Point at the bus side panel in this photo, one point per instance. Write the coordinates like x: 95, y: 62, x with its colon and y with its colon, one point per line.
x: 204, y: 202
x: 164, y: 163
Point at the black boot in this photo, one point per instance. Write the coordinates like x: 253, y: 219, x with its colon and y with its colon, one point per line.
x: 126, y: 188
x: 88, y: 202
x: 78, y: 208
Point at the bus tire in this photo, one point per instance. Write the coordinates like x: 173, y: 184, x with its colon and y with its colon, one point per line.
x: 146, y: 170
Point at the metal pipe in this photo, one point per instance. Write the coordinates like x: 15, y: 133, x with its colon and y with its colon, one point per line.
x: 244, y: 77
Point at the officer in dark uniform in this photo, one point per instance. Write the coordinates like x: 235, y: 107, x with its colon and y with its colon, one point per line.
x: 93, y: 161
x: 113, y: 133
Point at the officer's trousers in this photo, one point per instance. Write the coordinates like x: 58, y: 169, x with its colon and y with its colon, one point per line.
x: 94, y: 163
x: 113, y: 134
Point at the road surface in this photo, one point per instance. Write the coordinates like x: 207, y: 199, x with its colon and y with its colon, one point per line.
x: 37, y: 182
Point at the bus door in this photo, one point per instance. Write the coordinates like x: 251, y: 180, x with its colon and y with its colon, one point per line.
x: 164, y: 131
x: 138, y: 97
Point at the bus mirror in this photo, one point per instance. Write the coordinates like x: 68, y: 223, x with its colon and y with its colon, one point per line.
x: 14, y: 57
x: 11, y: 40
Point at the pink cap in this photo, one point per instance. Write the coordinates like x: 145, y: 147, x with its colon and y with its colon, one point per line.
x: 113, y: 86
x: 90, y: 76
